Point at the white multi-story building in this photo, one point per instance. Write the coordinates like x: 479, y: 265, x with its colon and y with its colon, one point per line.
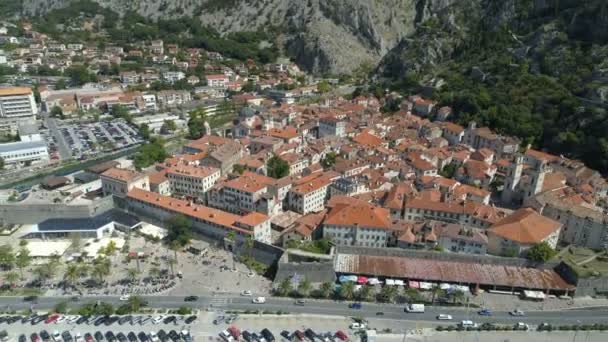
x: 174, y: 76
x: 24, y: 152
x: 119, y: 182
x: 309, y: 194
x: 218, y: 80
x: 331, y: 126
x: 363, y: 225
x: 246, y: 193
x: 210, y: 222
x: 17, y: 102
x: 192, y: 181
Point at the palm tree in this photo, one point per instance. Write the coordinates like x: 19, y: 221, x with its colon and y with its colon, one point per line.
x: 304, y: 287
x: 435, y: 291
x: 23, y: 260
x: 135, y: 303
x: 132, y: 274
x: 71, y: 275
x: 413, y: 295
x: 347, y: 291
x: 285, y: 287
x: 366, y: 292
x: 155, y: 272
x: 388, y: 293
x: 231, y: 235
x: 326, y: 289
x: 249, y: 244
x: 101, y: 269
x: 458, y: 296
x: 11, y: 277
x: 171, y: 262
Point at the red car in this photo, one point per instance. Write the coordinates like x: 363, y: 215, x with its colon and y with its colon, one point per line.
x: 88, y: 338
x: 300, y: 335
x: 35, y: 337
x: 51, y: 319
x: 341, y: 335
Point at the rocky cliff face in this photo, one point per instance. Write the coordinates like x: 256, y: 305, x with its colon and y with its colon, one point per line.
x: 338, y: 36
x: 321, y: 35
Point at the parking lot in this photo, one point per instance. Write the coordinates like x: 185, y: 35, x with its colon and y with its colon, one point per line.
x: 84, y: 140
x: 66, y: 328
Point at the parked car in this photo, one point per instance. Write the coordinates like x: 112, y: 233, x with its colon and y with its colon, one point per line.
x: 341, y: 335
x: 299, y: 335
x: 88, y: 337
x: 158, y: 319
x: 98, y: 336
x: 267, y: 335
x: 44, y: 335
x: 34, y: 337
x: 132, y: 337
x: 286, y: 335
x: 246, y: 293
x: 51, y: 319
x: 190, y: 319
x: 484, y: 312
x: 218, y: 320
x: 247, y: 336
x: 169, y: 319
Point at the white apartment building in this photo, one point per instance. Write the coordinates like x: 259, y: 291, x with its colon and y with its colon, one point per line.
x: 173, y: 76
x: 309, y: 195
x: 192, y: 181
x: 17, y: 102
x: 362, y: 225
x: 207, y: 221
x: 218, y: 80
x: 119, y: 182
x: 244, y: 194
x: 331, y: 126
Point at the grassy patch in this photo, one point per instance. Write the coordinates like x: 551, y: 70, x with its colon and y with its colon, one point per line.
x: 583, y: 262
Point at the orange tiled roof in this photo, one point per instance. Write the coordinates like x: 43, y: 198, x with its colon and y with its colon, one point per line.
x: 364, y: 215
x: 250, y: 182
x: 123, y: 175
x: 193, y: 171
x: 188, y: 209
x: 15, y: 91
x: 525, y: 226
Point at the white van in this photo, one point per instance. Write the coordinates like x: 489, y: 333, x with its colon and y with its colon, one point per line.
x: 414, y: 308
x: 468, y: 324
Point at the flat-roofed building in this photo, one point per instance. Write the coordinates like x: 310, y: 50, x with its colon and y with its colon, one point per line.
x: 24, y: 152
x: 17, y: 102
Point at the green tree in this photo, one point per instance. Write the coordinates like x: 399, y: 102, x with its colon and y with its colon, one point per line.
x: 144, y: 131
x: 248, y: 87
x: 132, y: 274
x: 155, y: 272
x: 60, y: 84
x: 1, y: 163
x: 436, y: 291
x: 388, y: 294
x: 23, y: 259
x: 249, y: 243
x: 541, y: 252
x: 120, y: 111
x: 285, y: 287
x: 323, y: 87
x: 171, y: 262
x: 458, y: 296
x: 101, y: 269
x: 179, y: 230
x: 277, y: 167
x: 169, y: 126
x: 366, y: 293
x: 150, y: 153
x: 196, y: 123
x: 449, y: 170
x: 304, y: 287
x: 326, y: 289
x: 238, y: 169
x: 231, y: 235
x: 11, y: 277
x: 111, y: 248
x: 412, y: 295
x: 7, y: 257
x: 347, y: 291
x: 329, y: 160
x: 79, y: 75
x: 61, y: 307
x: 57, y: 112
x: 71, y: 275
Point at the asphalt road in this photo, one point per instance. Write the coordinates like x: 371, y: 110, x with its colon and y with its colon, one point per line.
x: 64, y: 150
x: 337, y: 308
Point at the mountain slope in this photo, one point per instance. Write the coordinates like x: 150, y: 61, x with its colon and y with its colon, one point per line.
x: 335, y: 36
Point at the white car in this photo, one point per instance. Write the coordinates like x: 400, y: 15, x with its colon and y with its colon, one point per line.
x: 522, y: 326
x: 57, y: 336
x: 357, y: 325
x: 517, y: 312
x: 444, y: 317
x: 468, y: 323
x: 124, y: 298
x: 158, y: 319
x: 246, y: 293
x: 61, y: 319
x: 259, y: 300
x: 226, y: 336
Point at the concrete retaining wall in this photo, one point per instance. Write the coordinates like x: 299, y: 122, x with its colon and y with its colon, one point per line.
x: 17, y: 213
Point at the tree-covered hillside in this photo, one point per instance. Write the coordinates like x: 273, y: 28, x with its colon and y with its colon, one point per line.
x: 537, y: 73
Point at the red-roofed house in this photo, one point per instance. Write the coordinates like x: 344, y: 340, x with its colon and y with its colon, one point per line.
x: 361, y: 225
x: 119, y: 182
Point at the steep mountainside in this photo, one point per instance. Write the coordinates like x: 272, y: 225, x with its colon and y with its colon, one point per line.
x: 321, y: 35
